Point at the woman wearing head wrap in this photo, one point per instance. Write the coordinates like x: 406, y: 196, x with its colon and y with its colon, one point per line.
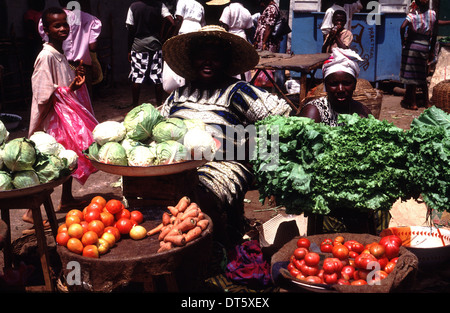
x: 208, y: 60
x: 340, y: 73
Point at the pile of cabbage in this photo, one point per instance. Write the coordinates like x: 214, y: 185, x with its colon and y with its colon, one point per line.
x: 27, y: 162
x: 146, y: 138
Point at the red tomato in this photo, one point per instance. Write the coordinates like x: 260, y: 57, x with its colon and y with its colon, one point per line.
x: 92, y: 215
x: 332, y: 265
x: 124, y: 225
x: 314, y: 279
x: 330, y: 278
x: 377, y: 250
x: 107, y: 218
x: 113, y: 230
x: 358, y: 282
x: 326, y: 248
x: 124, y: 213
x: 358, y: 247
x: 62, y: 238
x: 389, y: 267
x: 340, y: 251
x: 310, y: 270
x: 303, y: 242
x: 113, y: 206
x: 137, y: 216
x: 394, y: 260
x: 362, y: 261
x: 89, y: 238
x: 347, y: 272
x: 339, y: 239
x: 298, y: 263
x: 97, y: 226
x: 383, y: 261
x: 392, y: 245
x: 352, y: 254
x: 312, y: 259
x: 294, y: 272
x: 300, y: 253
x: 90, y: 251
x: 342, y: 281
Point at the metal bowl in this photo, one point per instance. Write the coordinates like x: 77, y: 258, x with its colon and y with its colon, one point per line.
x: 431, y: 245
x: 11, y: 121
x: 143, y: 171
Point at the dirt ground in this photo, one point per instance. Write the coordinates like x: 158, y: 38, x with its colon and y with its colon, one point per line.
x: 107, y: 185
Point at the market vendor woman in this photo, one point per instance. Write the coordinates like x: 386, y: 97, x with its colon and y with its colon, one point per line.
x: 208, y: 60
x: 340, y: 73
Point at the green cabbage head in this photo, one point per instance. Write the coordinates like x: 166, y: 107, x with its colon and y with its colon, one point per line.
x: 139, y: 122
x: 19, y: 154
x: 169, y: 129
x: 5, y: 181
x: 113, y: 153
x: 25, y: 179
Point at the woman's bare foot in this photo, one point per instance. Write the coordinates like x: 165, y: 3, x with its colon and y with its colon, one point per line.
x: 28, y: 218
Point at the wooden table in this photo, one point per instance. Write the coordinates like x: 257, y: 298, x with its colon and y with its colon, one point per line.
x: 32, y: 198
x: 306, y: 64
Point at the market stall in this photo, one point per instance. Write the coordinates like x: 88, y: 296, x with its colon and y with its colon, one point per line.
x: 305, y: 64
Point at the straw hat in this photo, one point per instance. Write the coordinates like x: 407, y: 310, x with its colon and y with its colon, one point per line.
x: 175, y: 52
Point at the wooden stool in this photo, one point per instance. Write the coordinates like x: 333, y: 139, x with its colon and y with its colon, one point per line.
x: 34, y: 202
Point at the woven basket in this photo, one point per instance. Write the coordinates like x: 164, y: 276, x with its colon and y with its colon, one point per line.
x: 364, y: 93
x: 441, y: 95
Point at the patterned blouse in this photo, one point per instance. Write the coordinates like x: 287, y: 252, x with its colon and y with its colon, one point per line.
x: 238, y: 104
x: 327, y: 114
x: 422, y: 23
x: 269, y: 17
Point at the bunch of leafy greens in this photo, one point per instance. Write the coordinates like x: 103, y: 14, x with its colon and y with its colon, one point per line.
x: 429, y: 157
x: 360, y: 165
x: 363, y: 165
x: 285, y: 155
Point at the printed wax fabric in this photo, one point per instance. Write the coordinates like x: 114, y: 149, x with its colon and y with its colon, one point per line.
x: 248, y: 265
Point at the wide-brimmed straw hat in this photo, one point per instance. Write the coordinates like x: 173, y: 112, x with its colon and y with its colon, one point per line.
x: 176, y: 52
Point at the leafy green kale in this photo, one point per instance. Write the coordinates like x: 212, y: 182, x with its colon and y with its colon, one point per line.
x: 429, y: 157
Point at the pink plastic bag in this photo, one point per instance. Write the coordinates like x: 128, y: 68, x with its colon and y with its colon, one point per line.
x: 72, y: 126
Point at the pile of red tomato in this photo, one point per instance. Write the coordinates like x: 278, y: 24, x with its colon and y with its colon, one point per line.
x: 346, y: 262
x: 94, y: 230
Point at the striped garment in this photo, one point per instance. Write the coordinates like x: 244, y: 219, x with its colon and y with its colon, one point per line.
x: 422, y: 23
x: 238, y: 104
x: 416, y: 51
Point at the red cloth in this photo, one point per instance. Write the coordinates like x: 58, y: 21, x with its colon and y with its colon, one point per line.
x: 248, y: 265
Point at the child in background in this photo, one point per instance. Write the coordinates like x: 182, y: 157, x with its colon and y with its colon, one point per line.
x: 338, y: 36
x: 418, y: 49
x: 348, y: 6
x: 52, y: 71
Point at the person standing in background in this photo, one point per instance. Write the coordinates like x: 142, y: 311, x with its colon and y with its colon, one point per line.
x: 189, y: 17
x: 338, y: 36
x: 348, y: 6
x: 237, y: 20
x: 264, y: 40
x: 82, y: 41
x: 144, y: 22
x: 418, y: 50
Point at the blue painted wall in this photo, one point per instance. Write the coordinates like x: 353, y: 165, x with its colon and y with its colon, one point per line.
x: 379, y: 45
